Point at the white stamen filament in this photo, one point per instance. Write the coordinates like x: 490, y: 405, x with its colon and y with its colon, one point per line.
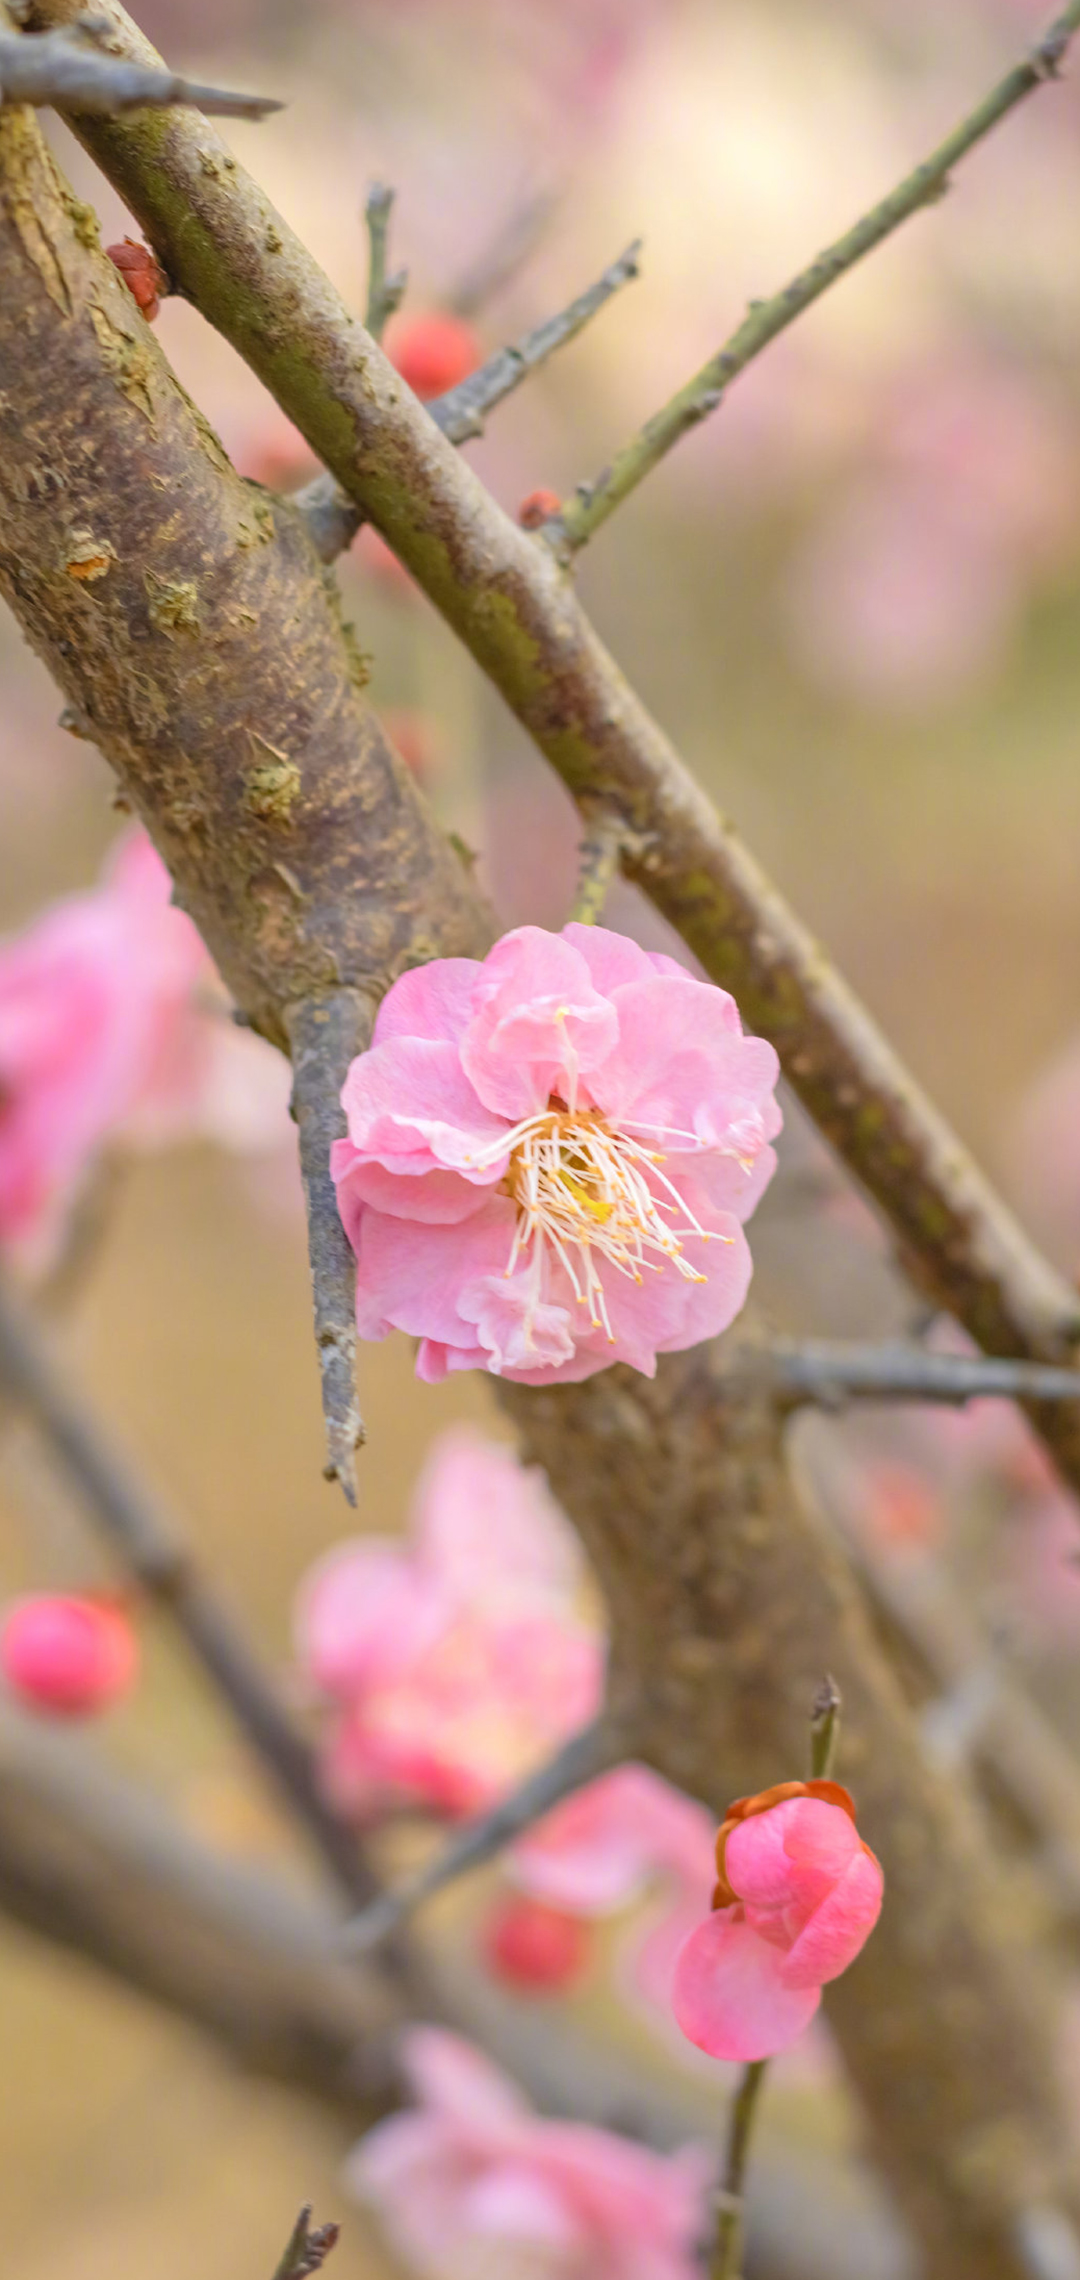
x: 581, y: 1192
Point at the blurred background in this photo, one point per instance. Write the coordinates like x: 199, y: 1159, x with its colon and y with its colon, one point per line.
x: 852, y: 597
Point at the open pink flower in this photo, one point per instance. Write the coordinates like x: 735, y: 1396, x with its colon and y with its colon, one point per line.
x: 610, y: 1846
x: 456, y: 1662
x: 475, y: 2183
x: 799, y: 1894
x: 105, y: 1036
x: 549, y: 1158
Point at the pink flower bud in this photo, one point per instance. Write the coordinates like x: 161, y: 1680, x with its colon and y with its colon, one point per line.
x: 798, y: 1895
x: 432, y: 350
x: 142, y: 275
x: 538, y: 509
x: 67, y: 1656
x: 534, y: 1947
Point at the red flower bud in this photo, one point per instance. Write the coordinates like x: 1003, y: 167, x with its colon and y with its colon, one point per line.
x: 142, y: 275
x: 432, y: 350
x: 538, y: 509
x: 530, y: 1945
x: 72, y: 1657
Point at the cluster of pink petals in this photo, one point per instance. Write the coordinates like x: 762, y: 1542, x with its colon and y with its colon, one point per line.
x: 804, y: 1894
x: 608, y: 1847
x: 455, y: 1662
x: 473, y: 2182
x: 106, y: 1036
x: 549, y: 1158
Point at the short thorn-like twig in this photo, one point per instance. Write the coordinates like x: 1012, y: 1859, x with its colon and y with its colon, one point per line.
x: 325, y: 1034
x: 307, y: 2249
x: 594, y: 502
x: 726, y: 2260
x: 152, y: 1552
x: 830, y: 1373
x: 592, y: 1752
x: 73, y: 74
x: 333, y: 520
x: 384, y: 294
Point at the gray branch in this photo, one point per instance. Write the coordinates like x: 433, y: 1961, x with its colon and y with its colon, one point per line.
x: 54, y: 67
x: 829, y: 1373
x: 594, y: 1751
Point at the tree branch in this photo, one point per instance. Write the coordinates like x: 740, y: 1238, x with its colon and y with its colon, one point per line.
x: 220, y: 240
x: 384, y: 294
x: 594, y: 502
x: 333, y: 518
x: 151, y: 1549
x: 55, y: 68
x: 325, y: 1034
x: 592, y: 1752
x: 830, y: 1372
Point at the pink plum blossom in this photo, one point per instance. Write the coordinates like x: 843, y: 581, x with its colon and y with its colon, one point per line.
x: 106, y: 1036
x: 475, y: 2183
x: 549, y: 1158
x: 799, y: 1894
x: 455, y: 1662
x: 612, y: 1844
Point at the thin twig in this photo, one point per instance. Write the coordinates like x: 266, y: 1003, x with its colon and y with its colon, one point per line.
x: 307, y: 2250
x: 592, y: 1752
x: 57, y: 68
x: 594, y: 502
x: 333, y: 518
x: 824, y: 1729
x: 153, y: 1552
x: 829, y: 1372
x: 384, y: 294
x: 325, y: 1034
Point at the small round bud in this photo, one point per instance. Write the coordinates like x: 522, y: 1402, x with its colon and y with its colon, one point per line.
x: 71, y: 1657
x: 538, y: 1948
x: 538, y: 509
x: 432, y: 350
x: 143, y: 276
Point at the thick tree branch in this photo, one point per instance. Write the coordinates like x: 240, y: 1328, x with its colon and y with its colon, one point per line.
x: 151, y: 1549
x: 333, y: 518
x: 226, y: 249
x: 55, y: 68
x: 726, y: 1603
x: 592, y: 1752
x: 594, y: 502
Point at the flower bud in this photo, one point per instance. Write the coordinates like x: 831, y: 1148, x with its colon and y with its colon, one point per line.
x: 143, y: 276
x: 538, y: 508
x: 71, y: 1657
x: 532, y: 1946
x: 432, y: 350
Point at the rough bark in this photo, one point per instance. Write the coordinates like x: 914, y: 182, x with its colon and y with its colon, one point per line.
x: 728, y: 1604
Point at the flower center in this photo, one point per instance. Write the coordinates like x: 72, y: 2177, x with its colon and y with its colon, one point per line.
x: 582, y: 1192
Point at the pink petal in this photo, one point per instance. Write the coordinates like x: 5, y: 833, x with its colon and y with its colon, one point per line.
x: 613, y: 960
x: 365, y: 1614
x: 683, y: 1065
x: 594, y: 1852
x: 795, y: 1850
x: 429, y: 1001
x: 538, y: 1024
x: 409, y: 1276
x: 454, y: 2079
x: 408, y: 1192
x: 839, y: 1926
x: 728, y: 1995
x: 514, y: 2202
x: 516, y: 1330
x: 409, y: 1098
x: 486, y: 1524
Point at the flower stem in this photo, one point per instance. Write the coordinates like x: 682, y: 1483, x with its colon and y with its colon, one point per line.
x: 726, y: 2257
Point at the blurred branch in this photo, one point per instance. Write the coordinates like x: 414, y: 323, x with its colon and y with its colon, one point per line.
x: 384, y: 294
x: 68, y: 72
x: 152, y: 1551
x: 508, y: 251
x: 511, y: 605
x: 333, y: 518
x: 307, y: 2250
x: 592, y: 1752
x: 594, y: 502
x: 829, y: 1372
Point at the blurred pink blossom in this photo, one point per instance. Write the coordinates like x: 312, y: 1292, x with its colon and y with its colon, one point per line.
x: 68, y: 1656
x: 549, y: 1158
x: 454, y: 1662
x: 799, y: 1895
x: 474, y: 2183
